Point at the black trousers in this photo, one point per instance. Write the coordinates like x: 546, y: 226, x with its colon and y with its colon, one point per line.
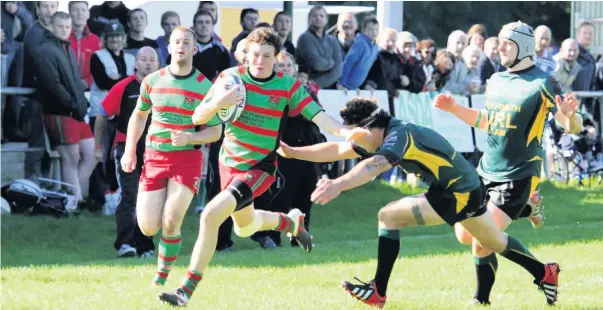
x: 295, y: 182
x: 103, y: 176
x: 128, y: 231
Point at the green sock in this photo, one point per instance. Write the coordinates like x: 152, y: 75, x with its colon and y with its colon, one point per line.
x: 189, y: 283
x: 485, y: 268
x: 517, y: 253
x: 168, y: 252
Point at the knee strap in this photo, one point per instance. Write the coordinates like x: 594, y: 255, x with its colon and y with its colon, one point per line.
x: 242, y: 194
x: 250, y: 229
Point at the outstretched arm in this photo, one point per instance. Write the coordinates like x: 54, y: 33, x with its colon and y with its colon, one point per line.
x: 328, y: 123
x: 364, y: 172
x: 473, y: 117
x: 320, y: 153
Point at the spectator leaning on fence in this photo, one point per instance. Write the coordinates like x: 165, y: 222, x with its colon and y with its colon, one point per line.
x: 248, y: 20
x: 120, y: 103
x: 386, y: 69
x: 471, y: 58
x: 360, y: 57
x: 282, y: 24
x: 169, y: 21
x: 477, y: 35
x: 444, y: 64
x: 413, y: 76
x: 319, y: 53
x: 457, y: 42
x: 427, y: 49
x: 14, y: 17
x: 566, y: 66
x: 62, y: 97
x: 83, y: 42
x: 137, y: 23
x: 543, y: 59
x: 347, y: 28
x: 212, y: 8
x: 490, y: 64
x: 585, y: 37
x: 109, y: 11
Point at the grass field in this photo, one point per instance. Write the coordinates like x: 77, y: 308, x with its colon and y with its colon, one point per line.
x: 71, y: 264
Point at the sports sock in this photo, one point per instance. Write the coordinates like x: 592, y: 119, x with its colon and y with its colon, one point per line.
x: 389, y: 247
x: 168, y: 252
x: 485, y: 268
x: 190, y: 281
x: 285, y: 224
x: 517, y: 253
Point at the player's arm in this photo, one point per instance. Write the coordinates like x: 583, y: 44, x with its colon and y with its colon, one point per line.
x: 139, y: 117
x: 364, y: 172
x: 205, y: 136
x: 328, y: 123
x: 571, y: 124
x: 109, y: 107
x: 561, y: 106
x: 320, y: 153
x: 211, y: 104
x: 472, y: 117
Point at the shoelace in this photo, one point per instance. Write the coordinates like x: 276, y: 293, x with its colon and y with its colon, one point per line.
x: 364, y: 283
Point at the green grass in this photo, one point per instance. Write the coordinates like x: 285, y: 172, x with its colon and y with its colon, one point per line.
x: 70, y: 263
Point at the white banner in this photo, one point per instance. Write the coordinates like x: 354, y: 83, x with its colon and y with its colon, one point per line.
x: 453, y: 129
x: 334, y: 100
x: 414, y: 108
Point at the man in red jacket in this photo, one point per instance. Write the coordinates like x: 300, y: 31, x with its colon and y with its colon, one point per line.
x: 83, y: 42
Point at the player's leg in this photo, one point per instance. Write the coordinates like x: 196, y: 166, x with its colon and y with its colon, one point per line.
x: 485, y: 230
x: 407, y: 212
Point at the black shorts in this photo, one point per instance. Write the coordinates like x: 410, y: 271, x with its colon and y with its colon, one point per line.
x: 512, y: 196
x: 456, y: 207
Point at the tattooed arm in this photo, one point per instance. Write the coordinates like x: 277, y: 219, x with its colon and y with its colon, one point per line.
x: 364, y: 172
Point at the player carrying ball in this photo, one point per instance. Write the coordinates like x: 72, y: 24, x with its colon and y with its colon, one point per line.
x: 248, y: 154
x: 455, y: 194
x: 172, y: 162
x: 518, y: 102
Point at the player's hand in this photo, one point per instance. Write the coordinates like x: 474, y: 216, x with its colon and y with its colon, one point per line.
x: 128, y: 161
x: 229, y: 98
x: 404, y: 80
x: 98, y: 153
x: 285, y: 150
x: 445, y: 102
x: 357, y: 135
x: 179, y: 138
x: 567, y: 106
x: 326, y: 190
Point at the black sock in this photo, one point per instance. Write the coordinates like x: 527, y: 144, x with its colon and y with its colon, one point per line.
x: 526, y: 211
x: 486, y: 272
x: 389, y: 247
x: 517, y: 253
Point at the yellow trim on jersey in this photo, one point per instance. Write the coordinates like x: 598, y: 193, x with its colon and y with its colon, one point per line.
x: 535, y: 158
x: 430, y: 161
x: 547, y: 93
x: 538, y: 126
x: 534, y: 184
x: 461, y: 201
x: 453, y: 181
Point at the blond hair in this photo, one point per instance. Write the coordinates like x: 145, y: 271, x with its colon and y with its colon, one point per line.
x: 185, y: 30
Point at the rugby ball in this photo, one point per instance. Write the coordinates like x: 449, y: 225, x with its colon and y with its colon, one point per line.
x: 232, y: 113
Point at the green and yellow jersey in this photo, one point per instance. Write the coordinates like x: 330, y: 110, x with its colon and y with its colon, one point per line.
x: 518, y: 105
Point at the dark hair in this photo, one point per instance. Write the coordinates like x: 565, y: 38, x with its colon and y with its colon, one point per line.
x: 168, y: 14
x: 203, y: 13
x: 246, y: 11
x: 201, y: 3
x: 316, y: 8
x: 371, y: 20
x: 75, y: 2
x: 136, y: 10
x: 585, y: 24
x: 262, y: 24
x: 40, y: 2
x: 265, y: 36
x: 60, y: 15
x: 359, y: 112
x: 280, y: 14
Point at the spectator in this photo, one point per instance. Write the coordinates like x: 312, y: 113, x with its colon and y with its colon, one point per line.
x: 566, y: 66
x: 444, y: 64
x: 543, y: 58
x: 62, y: 96
x: 282, y: 25
x: 585, y: 37
x: 471, y: 58
x: 108, y: 12
x: 248, y: 20
x: 491, y: 63
x: 413, y: 77
x: 120, y: 102
x: 241, y: 52
x: 212, y: 8
x: 212, y: 57
x: 137, y: 23
x: 477, y: 35
x: 599, y: 75
x: 360, y: 57
x: 14, y: 17
x: 169, y: 21
x: 318, y: 53
x: 387, y: 69
x: 457, y: 42
x: 427, y: 51
x: 34, y: 37
x: 347, y: 28
x: 83, y: 42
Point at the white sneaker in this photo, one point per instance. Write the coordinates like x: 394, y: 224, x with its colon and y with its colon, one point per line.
x: 147, y: 254
x: 126, y: 251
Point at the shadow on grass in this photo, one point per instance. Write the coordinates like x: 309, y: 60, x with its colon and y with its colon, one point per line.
x: 344, y: 232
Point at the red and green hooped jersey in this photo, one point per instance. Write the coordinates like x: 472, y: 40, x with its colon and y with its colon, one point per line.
x: 251, y: 141
x: 173, y: 100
